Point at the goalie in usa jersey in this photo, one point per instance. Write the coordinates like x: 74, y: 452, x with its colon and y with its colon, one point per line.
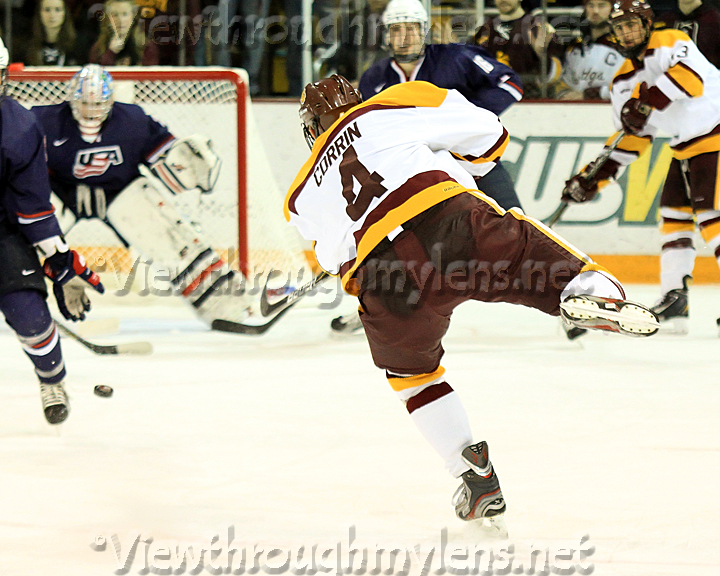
x: 391, y: 210
x: 27, y: 226
x: 113, y: 162
x: 666, y: 84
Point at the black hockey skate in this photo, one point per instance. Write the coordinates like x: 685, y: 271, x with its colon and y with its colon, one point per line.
x: 479, y: 496
x: 55, y: 402
x: 673, y: 310
x: 347, y: 324
x: 610, y: 315
x: 572, y: 332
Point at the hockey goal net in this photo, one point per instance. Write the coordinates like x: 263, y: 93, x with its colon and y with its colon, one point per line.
x: 242, y: 217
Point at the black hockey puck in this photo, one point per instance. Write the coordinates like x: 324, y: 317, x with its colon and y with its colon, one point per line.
x: 104, y: 391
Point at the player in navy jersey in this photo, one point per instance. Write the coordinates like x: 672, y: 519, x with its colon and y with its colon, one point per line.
x: 27, y: 224
x: 470, y: 70
x: 111, y: 161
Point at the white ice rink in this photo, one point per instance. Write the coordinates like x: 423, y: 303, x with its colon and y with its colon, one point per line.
x: 296, y: 439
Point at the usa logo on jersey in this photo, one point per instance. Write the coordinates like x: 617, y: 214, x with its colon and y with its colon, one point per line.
x: 96, y: 161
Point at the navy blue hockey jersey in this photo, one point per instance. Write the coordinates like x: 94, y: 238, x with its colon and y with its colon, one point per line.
x: 24, y: 186
x: 470, y: 70
x: 128, y: 138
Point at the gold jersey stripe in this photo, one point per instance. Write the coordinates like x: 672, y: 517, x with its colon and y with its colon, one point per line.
x: 674, y: 227
x: 687, y: 79
x: 396, y: 217
x: 399, y: 383
x: 631, y: 143
x: 702, y: 146
x: 667, y: 38
x: 710, y: 232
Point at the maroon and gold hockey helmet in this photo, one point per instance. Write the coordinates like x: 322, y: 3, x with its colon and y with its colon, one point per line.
x: 323, y: 102
x: 625, y: 10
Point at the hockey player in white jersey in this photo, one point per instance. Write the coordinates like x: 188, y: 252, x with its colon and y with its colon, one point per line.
x: 392, y: 212
x: 111, y: 161
x: 666, y: 84
x: 592, y: 60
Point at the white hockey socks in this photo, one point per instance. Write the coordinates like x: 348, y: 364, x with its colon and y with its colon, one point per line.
x: 593, y: 283
x: 677, y: 257
x: 438, y: 413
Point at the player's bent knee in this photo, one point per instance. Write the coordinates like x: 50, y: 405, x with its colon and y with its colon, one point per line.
x: 26, y: 312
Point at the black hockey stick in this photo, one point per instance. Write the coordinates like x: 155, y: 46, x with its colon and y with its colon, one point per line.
x: 279, y: 309
x: 284, y: 303
x: 599, y: 163
x: 250, y: 329
x: 139, y: 348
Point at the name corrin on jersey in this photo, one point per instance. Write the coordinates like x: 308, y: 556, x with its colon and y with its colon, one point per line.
x: 335, y: 151
x: 96, y: 161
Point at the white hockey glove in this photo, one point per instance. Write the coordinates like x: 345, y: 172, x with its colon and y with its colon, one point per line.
x: 70, y: 276
x: 190, y: 163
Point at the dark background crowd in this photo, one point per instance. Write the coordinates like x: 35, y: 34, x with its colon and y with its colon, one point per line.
x: 266, y: 36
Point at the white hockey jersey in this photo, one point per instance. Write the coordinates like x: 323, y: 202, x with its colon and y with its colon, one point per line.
x: 591, y: 65
x: 673, y: 63
x: 384, y: 162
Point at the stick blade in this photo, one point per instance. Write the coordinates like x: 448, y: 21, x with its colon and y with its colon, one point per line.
x: 135, y: 348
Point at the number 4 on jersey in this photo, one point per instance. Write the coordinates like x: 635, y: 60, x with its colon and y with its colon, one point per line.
x: 370, y: 184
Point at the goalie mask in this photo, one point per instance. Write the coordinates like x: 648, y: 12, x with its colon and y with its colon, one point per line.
x: 91, y: 99
x: 406, y: 25
x: 631, y: 22
x: 323, y: 102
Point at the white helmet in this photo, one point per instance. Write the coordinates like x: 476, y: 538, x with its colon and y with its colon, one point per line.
x: 4, y: 61
x: 402, y: 11
x: 406, y: 11
x: 91, y: 99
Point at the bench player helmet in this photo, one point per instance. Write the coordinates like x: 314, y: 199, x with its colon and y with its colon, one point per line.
x: 323, y: 102
x: 403, y: 11
x: 91, y: 99
x: 624, y: 10
x: 4, y: 61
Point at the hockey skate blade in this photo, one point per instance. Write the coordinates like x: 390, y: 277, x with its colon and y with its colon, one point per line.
x: 492, y: 528
x: 628, y: 318
x: 675, y: 327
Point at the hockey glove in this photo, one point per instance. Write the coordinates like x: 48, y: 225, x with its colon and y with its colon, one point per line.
x: 580, y: 188
x: 69, y: 275
x: 635, y: 112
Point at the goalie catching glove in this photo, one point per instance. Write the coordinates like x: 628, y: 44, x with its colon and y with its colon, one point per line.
x: 581, y: 188
x: 69, y: 275
x: 190, y: 163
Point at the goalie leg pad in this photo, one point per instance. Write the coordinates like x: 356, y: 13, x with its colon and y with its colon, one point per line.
x: 148, y: 220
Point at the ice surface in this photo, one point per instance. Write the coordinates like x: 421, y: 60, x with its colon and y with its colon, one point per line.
x: 294, y: 438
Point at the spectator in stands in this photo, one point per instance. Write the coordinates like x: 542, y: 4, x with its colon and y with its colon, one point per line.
x: 591, y: 60
x: 359, y: 49
x: 53, y: 36
x: 260, y: 29
x: 122, y: 42
x: 521, y: 40
x: 699, y: 21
